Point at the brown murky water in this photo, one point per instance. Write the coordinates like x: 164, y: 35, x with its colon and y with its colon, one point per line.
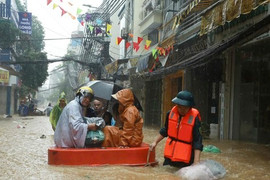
x: 24, y: 156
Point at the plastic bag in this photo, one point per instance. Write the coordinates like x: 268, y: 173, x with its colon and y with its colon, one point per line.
x: 94, y: 138
x: 100, y: 123
x: 205, y: 170
x: 211, y: 148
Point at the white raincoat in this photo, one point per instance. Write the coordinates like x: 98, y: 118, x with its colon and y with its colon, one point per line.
x: 71, y: 130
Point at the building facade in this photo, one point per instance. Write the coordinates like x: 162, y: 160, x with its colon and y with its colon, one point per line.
x: 219, y: 53
x: 9, y: 76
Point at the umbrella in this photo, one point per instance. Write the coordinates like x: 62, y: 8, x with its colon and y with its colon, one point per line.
x: 104, y: 90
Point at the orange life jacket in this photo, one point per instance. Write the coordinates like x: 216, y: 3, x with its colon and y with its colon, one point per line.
x: 179, y: 142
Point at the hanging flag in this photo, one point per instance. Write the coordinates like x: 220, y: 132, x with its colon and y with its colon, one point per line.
x: 63, y: 11
x: 163, y: 52
x: 91, y: 28
x: 55, y: 5
x: 98, y: 30
x: 79, y: 19
x: 146, y: 47
x: 154, y: 52
x: 136, y: 46
x: 118, y: 40
x: 73, y: 17
x: 148, y: 42
x: 155, y: 56
x: 48, y: 2
x: 140, y: 40
x: 109, y: 27
x: 87, y: 17
x: 158, y: 51
x: 79, y: 11
x: 98, y: 21
x: 130, y: 35
x: 127, y: 45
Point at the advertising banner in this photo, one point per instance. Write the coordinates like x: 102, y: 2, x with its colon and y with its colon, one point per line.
x: 4, y: 76
x: 25, y: 22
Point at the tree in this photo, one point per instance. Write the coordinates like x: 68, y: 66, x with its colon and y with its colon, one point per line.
x: 8, y: 34
x: 32, y: 75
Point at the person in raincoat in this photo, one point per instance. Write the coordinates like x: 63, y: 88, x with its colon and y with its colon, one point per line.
x: 130, y: 133
x: 182, y: 129
x: 57, y: 110
x: 71, y: 130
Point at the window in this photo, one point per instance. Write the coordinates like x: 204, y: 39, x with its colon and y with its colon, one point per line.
x: 153, y: 36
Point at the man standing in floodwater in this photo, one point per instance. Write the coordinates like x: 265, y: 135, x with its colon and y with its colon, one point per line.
x: 182, y: 127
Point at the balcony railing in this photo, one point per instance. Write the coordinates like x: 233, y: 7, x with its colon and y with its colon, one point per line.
x: 151, y: 16
x: 149, y: 6
x: 184, y: 19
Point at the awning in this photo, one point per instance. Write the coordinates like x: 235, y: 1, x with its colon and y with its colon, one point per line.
x: 202, y: 57
x: 141, y: 62
x: 11, y: 70
x: 113, y: 67
x: 227, y: 11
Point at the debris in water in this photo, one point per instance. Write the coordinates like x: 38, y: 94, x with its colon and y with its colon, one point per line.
x: 205, y: 170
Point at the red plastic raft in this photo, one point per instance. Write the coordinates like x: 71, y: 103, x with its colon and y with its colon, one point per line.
x: 137, y: 156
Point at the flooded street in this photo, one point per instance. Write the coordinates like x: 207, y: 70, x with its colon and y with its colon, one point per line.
x: 23, y: 153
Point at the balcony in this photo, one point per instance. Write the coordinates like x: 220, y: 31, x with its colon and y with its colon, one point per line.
x: 151, y: 16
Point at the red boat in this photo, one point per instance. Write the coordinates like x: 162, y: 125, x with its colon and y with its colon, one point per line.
x: 137, y: 156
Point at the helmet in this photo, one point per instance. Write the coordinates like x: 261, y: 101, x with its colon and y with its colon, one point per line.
x: 184, y: 98
x: 85, y: 91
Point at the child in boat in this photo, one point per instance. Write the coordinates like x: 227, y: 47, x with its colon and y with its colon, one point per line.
x: 101, y: 111
x: 129, y: 123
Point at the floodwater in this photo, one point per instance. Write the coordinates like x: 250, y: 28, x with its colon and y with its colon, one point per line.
x: 23, y: 154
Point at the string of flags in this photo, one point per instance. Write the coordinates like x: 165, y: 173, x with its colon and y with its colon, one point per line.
x: 98, y: 26
x: 136, y: 46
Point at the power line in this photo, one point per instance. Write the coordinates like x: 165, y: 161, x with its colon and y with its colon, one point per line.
x: 48, y: 61
x: 53, y: 39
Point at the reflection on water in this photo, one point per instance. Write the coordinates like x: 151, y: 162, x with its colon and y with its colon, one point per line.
x: 23, y: 154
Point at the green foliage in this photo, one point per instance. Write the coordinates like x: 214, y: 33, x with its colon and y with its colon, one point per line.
x: 24, y: 91
x: 8, y: 33
x: 30, y: 47
x: 34, y: 75
x: 37, y: 33
x: 20, y: 6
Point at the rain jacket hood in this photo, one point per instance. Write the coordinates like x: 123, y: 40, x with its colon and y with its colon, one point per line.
x: 125, y: 97
x: 57, y: 110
